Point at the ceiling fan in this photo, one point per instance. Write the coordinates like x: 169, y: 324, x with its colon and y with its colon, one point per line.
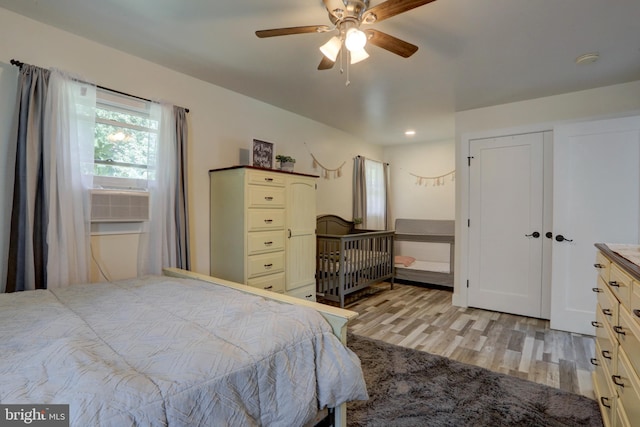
x: 347, y: 16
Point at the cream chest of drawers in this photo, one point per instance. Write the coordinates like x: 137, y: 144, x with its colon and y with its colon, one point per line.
x: 616, y: 377
x: 262, y: 229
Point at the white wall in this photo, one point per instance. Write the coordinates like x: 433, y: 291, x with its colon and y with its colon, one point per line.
x: 519, y: 117
x: 221, y: 122
x: 410, y: 200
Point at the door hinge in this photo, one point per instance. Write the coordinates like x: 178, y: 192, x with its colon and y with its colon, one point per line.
x: 469, y: 160
x: 467, y: 283
x: 468, y: 223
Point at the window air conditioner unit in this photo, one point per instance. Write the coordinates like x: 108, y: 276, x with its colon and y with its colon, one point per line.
x: 119, y: 206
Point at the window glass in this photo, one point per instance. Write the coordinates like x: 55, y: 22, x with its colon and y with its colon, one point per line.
x: 376, y: 195
x: 125, y: 140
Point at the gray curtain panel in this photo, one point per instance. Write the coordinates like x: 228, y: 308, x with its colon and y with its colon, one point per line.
x: 359, y: 192
x: 27, y: 260
x: 387, y: 191
x: 182, y: 207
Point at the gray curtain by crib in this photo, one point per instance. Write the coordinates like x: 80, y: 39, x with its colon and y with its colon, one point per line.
x: 182, y: 207
x: 359, y: 193
x: 26, y: 268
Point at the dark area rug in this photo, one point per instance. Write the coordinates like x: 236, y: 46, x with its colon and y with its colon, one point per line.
x: 414, y: 388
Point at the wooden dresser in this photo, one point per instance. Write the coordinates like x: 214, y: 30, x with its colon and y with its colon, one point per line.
x: 616, y: 378
x: 262, y: 229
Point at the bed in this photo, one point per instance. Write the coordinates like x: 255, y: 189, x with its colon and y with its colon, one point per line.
x: 181, y: 349
x: 349, y: 260
x: 424, y: 251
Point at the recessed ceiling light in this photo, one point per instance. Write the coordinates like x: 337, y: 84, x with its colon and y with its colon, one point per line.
x: 410, y: 132
x: 587, y: 58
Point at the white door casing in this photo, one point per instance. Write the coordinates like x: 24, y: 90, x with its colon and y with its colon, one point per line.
x: 596, y: 193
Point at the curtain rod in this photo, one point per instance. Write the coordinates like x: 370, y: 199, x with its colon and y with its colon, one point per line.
x: 19, y: 64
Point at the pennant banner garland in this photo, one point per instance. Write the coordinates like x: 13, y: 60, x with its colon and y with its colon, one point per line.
x: 434, y: 181
x: 326, y: 172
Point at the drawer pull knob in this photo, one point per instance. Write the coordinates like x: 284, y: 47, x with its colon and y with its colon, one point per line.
x: 268, y: 287
x: 598, y: 265
x: 614, y: 284
x: 606, y: 354
x: 597, y: 290
x: 268, y: 179
x: 268, y: 198
x: 617, y: 380
x: 607, y: 311
x: 594, y: 361
x: 636, y: 312
x: 309, y: 296
x: 604, y: 401
x: 619, y: 330
x: 268, y: 243
x: 268, y: 221
x: 596, y: 324
x: 268, y: 265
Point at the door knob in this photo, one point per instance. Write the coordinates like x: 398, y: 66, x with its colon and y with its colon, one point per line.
x: 561, y: 238
x: 535, y: 235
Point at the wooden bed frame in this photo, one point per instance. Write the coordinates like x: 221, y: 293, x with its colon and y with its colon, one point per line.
x: 349, y: 259
x: 428, y: 231
x: 338, y: 318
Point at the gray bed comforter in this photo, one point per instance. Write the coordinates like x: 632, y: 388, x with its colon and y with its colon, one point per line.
x: 161, y: 351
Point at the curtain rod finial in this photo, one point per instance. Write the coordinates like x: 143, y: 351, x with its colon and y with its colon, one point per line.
x: 17, y: 63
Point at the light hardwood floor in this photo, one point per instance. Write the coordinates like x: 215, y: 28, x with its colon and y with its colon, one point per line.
x: 425, y: 319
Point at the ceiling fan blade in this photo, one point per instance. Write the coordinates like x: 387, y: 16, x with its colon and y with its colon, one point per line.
x: 392, y: 8
x: 332, y: 5
x: 292, y: 30
x: 390, y: 43
x: 325, y: 63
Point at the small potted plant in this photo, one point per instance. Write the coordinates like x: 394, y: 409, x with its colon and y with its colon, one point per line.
x: 286, y: 162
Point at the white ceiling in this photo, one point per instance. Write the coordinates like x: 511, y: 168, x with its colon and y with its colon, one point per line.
x: 473, y: 53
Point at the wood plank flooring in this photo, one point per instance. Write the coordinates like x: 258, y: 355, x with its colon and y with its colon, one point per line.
x: 425, y: 319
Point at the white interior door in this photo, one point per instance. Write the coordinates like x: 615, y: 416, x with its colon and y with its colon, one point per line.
x: 506, y: 209
x: 596, y: 194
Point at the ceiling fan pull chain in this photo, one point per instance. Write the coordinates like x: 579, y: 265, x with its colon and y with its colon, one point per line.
x: 348, y: 82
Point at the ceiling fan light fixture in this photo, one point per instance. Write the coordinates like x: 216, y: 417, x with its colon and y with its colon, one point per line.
x: 331, y: 48
x: 358, y: 55
x: 355, y: 39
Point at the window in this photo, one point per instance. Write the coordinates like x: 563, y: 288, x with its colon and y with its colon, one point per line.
x: 376, y: 195
x: 126, y: 136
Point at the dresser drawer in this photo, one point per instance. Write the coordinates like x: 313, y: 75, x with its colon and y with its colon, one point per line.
x: 620, y: 284
x: 629, y: 338
x: 265, y: 219
x: 635, y: 301
x: 265, y: 178
x: 607, y: 344
x: 266, y: 197
x: 608, y: 347
x: 305, y: 292
x: 607, y: 304
x: 261, y: 265
x: 627, y: 385
x: 260, y: 242
x: 272, y: 282
x: 605, y: 395
x: 602, y: 265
